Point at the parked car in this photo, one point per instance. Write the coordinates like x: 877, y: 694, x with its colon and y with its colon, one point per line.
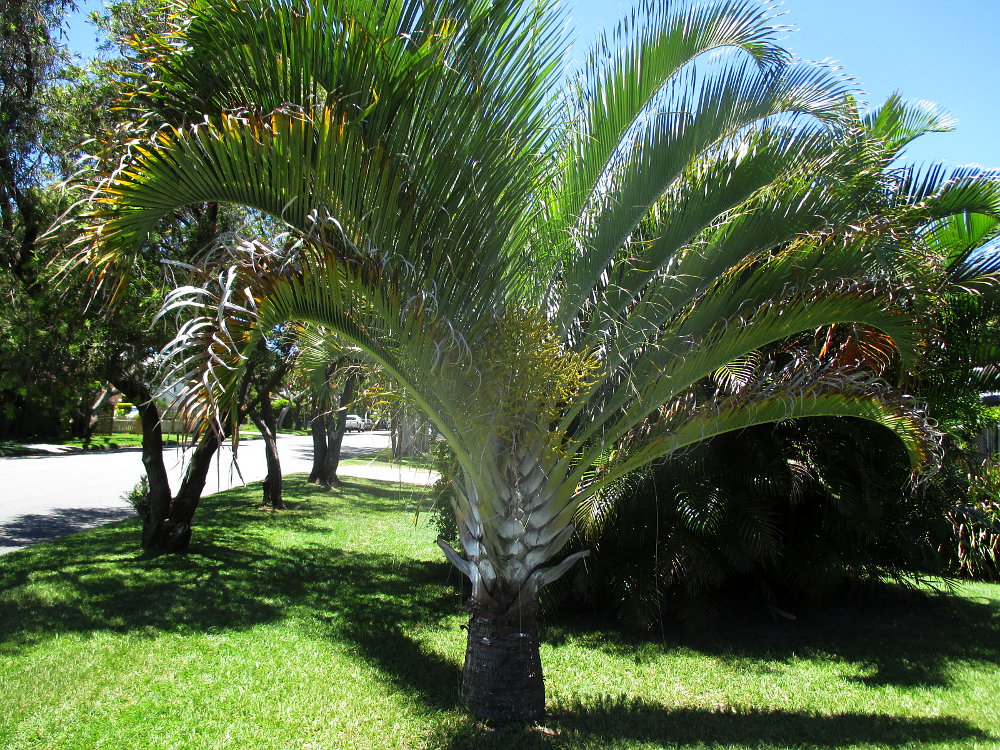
x: 354, y: 423
x: 369, y: 424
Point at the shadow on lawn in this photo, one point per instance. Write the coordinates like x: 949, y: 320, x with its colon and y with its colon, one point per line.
x: 386, y: 497
x: 31, y: 528
x: 899, y: 637
x: 604, y: 724
x: 236, y: 577
x: 218, y: 587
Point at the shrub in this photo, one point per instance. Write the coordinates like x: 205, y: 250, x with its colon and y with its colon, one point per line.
x: 976, y: 525
x: 442, y: 493
x: 138, y: 498
x: 781, y: 514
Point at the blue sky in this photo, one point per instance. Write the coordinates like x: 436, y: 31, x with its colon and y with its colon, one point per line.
x: 944, y: 52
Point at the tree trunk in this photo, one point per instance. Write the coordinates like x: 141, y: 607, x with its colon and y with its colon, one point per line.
x: 266, y: 423
x: 283, y: 415
x: 103, y: 397
x: 334, y: 431
x: 157, y: 507
x: 156, y: 511
x: 337, y: 436
x: 325, y: 470
x: 176, y: 531
x: 80, y: 419
x: 409, y: 434
x: 319, y: 427
x: 502, y: 676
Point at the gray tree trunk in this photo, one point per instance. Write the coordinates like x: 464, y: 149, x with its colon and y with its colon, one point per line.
x: 267, y: 424
x: 325, y: 470
x: 157, y: 507
x: 175, y: 533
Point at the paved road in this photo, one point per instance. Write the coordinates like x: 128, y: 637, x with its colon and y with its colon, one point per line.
x: 46, y: 497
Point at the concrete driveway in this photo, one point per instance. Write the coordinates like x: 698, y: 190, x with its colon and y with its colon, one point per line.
x: 46, y: 497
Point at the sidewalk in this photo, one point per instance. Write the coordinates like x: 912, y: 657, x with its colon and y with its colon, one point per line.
x: 386, y: 473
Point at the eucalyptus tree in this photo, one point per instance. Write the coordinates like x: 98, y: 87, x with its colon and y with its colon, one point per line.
x: 548, y: 270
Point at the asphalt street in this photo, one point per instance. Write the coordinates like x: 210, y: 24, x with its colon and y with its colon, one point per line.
x: 46, y: 497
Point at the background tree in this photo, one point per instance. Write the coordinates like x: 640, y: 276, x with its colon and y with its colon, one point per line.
x: 324, y: 362
x: 274, y: 361
x: 54, y: 356
x: 30, y: 61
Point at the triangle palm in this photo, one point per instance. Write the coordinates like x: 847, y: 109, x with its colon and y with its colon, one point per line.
x: 548, y: 271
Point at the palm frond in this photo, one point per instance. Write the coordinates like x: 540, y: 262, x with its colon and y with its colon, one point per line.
x: 899, y: 122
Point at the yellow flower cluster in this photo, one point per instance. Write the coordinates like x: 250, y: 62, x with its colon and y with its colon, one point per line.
x: 529, y: 374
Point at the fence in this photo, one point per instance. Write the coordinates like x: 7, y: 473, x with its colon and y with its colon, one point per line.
x: 169, y: 425
x: 126, y: 425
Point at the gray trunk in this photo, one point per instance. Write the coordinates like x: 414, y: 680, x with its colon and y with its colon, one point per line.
x: 266, y: 423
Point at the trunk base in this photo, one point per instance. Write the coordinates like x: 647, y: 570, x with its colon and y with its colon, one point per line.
x: 170, y: 537
x: 272, y: 495
x: 502, y: 678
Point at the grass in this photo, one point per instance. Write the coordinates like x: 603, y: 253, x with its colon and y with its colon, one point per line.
x: 114, y: 441
x: 107, y: 442
x: 96, y: 443
x: 336, y: 625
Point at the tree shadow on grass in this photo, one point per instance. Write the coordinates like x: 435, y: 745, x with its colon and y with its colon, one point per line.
x: 384, y: 497
x: 236, y: 577
x: 362, y: 494
x: 216, y: 587
x: 898, y: 637
x: 610, y: 723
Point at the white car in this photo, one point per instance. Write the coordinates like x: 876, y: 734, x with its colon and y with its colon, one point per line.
x: 354, y: 423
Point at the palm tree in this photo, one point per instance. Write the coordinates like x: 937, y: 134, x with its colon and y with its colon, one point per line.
x: 548, y: 271
x: 758, y: 506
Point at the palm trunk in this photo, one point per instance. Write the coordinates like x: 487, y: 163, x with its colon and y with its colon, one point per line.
x: 158, y: 499
x: 502, y: 676
x: 337, y: 436
x: 156, y: 510
x: 324, y: 469
x: 326, y: 449
x: 394, y: 435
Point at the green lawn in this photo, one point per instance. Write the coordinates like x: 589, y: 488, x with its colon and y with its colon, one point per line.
x: 337, y: 625
x: 97, y: 442
x: 114, y: 441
